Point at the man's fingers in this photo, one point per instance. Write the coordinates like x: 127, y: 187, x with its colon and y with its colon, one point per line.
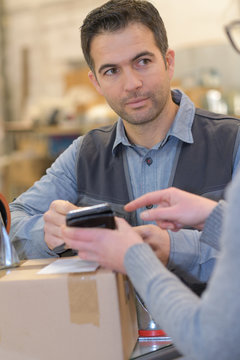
x: 53, y: 229
x: 62, y: 206
x: 156, y: 197
x: 54, y: 218
x: 121, y: 223
x: 73, y: 235
x: 167, y: 225
x: 164, y: 214
x: 53, y: 241
x: 142, y: 201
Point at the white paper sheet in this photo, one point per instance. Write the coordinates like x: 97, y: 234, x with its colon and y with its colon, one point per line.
x: 72, y: 265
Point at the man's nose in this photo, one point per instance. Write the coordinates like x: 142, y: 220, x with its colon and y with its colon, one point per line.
x: 132, y: 80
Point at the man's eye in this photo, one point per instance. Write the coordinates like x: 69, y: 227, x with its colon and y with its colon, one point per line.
x: 110, y: 72
x: 144, y: 61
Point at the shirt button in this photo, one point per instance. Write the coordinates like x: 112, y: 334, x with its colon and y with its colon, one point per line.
x: 149, y: 161
x: 150, y: 206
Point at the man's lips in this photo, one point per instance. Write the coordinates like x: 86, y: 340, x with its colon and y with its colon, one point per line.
x: 137, y: 102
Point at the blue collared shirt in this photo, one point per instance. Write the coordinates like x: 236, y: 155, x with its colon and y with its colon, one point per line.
x: 154, y: 166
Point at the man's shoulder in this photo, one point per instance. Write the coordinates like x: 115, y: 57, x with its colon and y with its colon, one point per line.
x: 209, y: 115
x: 103, y: 135
x: 102, y: 129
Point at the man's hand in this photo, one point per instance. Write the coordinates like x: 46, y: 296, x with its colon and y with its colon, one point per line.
x: 54, y: 218
x: 176, y: 208
x: 105, y: 246
x: 157, y: 238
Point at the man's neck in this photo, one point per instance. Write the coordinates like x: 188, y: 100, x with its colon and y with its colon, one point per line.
x: 151, y: 133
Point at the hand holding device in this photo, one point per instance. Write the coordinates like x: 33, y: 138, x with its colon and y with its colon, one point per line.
x: 100, y: 215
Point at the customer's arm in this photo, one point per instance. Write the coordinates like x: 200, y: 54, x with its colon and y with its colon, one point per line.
x: 190, y: 259
x: 203, y: 328
x: 27, y: 224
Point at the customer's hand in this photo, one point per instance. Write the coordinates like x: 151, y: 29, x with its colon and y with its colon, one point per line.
x: 157, y: 238
x: 176, y: 208
x: 106, y: 247
x: 54, y: 218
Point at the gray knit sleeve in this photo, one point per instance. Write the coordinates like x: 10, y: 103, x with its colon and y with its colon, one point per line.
x: 213, y: 226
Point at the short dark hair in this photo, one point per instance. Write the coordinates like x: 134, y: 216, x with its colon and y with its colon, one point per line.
x: 117, y: 14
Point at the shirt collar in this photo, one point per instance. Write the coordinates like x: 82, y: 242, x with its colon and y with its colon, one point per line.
x: 181, y: 127
x: 121, y: 137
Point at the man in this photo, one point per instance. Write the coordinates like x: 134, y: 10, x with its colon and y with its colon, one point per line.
x: 201, y: 328
x: 159, y: 140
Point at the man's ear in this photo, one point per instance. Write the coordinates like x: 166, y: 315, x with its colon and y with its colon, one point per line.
x: 94, y: 81
x: 170, y: 62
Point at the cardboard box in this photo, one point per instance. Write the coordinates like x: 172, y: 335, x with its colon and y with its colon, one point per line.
x: 65, y: 316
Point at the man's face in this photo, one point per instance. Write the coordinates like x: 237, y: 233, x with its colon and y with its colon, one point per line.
x: 131, y: 74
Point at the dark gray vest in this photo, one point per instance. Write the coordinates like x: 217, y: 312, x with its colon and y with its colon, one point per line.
x: 203, y: 168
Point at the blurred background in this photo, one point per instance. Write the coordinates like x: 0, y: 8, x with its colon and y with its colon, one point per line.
x: 46, y: 99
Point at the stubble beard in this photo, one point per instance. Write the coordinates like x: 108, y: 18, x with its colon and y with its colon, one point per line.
x: 141, y: 116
